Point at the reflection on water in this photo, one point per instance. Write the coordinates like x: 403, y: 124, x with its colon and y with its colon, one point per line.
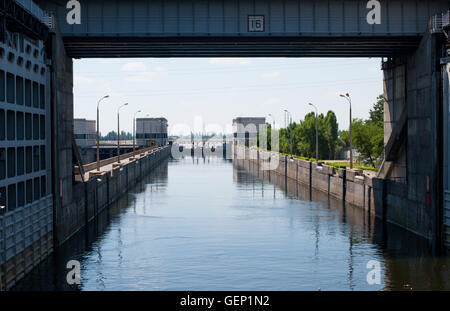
x: 209, y: 224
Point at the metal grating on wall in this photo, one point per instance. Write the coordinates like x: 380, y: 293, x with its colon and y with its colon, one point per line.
x: 25, y: 240
x: 446, y: 220
x: 26, y: 205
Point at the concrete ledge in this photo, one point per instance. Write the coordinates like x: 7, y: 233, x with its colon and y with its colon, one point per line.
x: 359, y: 179
x: 96, y: 173
x: 368, y: 180
x: 330, y: 170
x: 117, y: 165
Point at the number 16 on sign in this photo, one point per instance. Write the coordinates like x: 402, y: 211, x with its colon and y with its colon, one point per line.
x: 256, y: 23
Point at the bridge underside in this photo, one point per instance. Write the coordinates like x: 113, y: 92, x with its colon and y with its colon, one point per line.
x: 210, y: 46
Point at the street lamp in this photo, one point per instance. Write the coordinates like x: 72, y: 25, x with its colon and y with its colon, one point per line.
x: 118, y: 133
x: 290, y: 125
x: 273, y: 120
x: 134, y: 133
x: 271, y: 130
x: 317, y: 134
x: 347, y: 97
x: 98, y: 133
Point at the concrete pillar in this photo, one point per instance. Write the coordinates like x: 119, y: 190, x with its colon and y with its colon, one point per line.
x: 394, y: 86
x: 423, y: 137
x: 446, y: 152
x: 446, y: 121
x: 62, y: 131
x: 412, y: 84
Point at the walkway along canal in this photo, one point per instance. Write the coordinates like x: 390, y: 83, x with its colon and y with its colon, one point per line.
x: 214, y: 224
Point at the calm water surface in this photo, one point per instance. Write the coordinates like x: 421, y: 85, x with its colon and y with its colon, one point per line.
x: 210, y: 224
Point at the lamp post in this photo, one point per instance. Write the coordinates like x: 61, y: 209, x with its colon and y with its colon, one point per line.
x: 98, y: 132
x: 134, y: 133
x: 271, y: 131
x: 317, y: 134
x: 347, y: 97
x: 290, y: 125
x: 118, y: 133
x: 273, y: 120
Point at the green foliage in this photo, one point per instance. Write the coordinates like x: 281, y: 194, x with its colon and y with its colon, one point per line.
x: 368, y: 139
x: 113, y: 136
x: 304, y: 136
x: 368, y: 136
x: 344, y: 165
x: 331, y: 133
x: 377, y: 113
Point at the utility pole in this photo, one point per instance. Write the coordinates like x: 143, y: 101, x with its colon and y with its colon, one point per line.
x: 98, y: 133
x: 317, y: 134
x: 118, y: 133
x: 347, y: 97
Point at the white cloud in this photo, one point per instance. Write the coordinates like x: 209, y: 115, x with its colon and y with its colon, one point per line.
x: 142, y: 77
x: 146, y: 76
x: 271, y: 75
x: 229, y: 61
x: 134, y: 66
x: 271, y: 101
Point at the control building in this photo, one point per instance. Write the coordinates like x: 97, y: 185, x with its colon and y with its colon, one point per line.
x: 151, y: 131
x: 245, y: 130
x: 85, y: 132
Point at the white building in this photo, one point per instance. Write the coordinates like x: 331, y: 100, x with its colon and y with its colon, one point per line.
x: 85, y: 132
x: 245, y: 130
x: 151, y: 131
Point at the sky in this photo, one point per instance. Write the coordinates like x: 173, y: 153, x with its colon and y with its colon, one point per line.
x: 213, y: 91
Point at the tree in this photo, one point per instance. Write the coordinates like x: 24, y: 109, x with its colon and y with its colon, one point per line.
x: 305, y: 136
x: 331, y: 134
x: 377, y: 113
x: 113, y: 136
x: 368, y: 140
x: 343, y: 140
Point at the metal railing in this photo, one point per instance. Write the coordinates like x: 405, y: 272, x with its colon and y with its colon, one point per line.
x: 93, y: 165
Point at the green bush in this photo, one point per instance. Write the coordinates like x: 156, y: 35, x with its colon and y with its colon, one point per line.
x: 345, y: 165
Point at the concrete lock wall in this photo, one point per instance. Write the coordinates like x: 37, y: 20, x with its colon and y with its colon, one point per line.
x: 64, y: 206
x: 446, y: 152
x: 385, y: 199
x: 413, y: 119
x: 75, y: 204
x: 94, y: 195
x: 411, y: 192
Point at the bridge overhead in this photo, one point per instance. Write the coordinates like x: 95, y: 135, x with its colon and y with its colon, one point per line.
x: 180, y: 28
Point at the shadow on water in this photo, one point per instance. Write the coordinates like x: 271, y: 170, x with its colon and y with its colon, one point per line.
x: 51, y: 273
x: 409, y: 261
